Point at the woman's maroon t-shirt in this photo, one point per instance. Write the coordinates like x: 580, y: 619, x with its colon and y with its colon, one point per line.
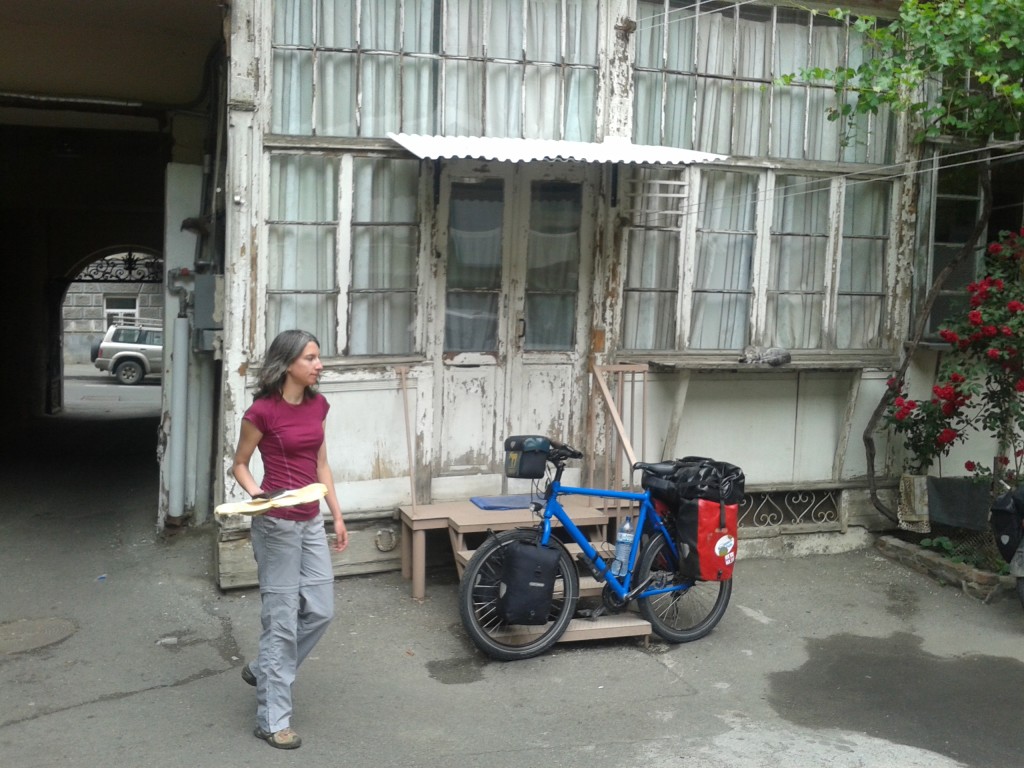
x: 292, y: 436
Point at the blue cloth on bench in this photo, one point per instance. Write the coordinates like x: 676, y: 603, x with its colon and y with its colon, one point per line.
x: 495, y: 503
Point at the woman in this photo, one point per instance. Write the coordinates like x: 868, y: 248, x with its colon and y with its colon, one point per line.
x: 286, y: 422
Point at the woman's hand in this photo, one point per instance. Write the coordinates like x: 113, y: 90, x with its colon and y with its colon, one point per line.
x: 340, y: 535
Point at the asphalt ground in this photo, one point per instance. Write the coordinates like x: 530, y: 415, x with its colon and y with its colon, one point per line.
x: 117, y: 649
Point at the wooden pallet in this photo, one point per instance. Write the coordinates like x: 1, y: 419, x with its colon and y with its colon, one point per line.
x: 625, y: 624
x: 602, y: 628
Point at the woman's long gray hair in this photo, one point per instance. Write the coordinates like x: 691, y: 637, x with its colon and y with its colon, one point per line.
x: 283, y: 350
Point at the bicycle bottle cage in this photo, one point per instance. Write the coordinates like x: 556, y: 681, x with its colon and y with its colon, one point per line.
x: 526, y: 456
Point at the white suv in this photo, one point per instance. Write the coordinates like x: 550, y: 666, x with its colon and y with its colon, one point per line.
x: 131, y: 352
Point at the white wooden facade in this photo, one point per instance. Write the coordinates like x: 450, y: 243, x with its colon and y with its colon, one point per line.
x: 441, y: 335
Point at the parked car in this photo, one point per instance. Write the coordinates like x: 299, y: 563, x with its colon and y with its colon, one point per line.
x: 131, y: 352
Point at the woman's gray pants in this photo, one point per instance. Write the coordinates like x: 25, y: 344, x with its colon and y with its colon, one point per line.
x: 296, y: 580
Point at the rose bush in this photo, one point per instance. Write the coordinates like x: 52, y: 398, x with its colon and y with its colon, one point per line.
x: 980, y: 385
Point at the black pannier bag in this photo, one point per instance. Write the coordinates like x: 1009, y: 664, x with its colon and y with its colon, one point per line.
x: 526, y: 456
x: 1006, y: 518
x: 701, y: 478
x: 527, y: 583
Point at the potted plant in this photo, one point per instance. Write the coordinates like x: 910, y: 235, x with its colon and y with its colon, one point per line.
x: 979, y: 389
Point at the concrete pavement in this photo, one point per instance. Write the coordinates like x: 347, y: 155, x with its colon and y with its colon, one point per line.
x: 116, y: 649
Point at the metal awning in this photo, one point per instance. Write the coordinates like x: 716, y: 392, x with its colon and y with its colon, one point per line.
x: 611, y: 150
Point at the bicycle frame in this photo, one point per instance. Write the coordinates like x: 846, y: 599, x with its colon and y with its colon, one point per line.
x: 647, y: 519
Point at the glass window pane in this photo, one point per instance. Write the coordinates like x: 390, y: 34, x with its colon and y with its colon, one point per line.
x: 379, y: 81
x: 382, y: 323
x: 385, y: 190
x: 475, y: 235
x: 550, y: 322
x: 338, y: 22
x: 552, y: 265
x: 475, y: 226
x: 303, y: 188
x: 384, y: 257
x: 649, y: 320
x: 799, y: 262
x: 337, y: 111
x: 725, y: 248
x: 302, y: 257
x: 471, y: 322
x: 505, y: 33
x: 292, y: 104
x: 315, y: 313
x: 377, y: 28
x: 654, y: 259
x: 293, y: 22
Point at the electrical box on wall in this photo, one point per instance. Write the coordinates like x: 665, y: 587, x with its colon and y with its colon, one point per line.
x: 207, y: 309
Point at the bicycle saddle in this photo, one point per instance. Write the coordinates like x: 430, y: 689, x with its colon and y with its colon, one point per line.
x: 661, y: 469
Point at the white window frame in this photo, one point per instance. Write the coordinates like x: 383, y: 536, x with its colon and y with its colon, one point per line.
x: 342, y: 228
x: 760, y: 270
x: 303, y: 62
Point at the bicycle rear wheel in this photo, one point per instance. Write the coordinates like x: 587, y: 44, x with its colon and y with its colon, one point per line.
x: 478, y: 598
x: 683, y: 615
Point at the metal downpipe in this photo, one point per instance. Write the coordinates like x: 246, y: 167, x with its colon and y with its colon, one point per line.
x: 179, y: 419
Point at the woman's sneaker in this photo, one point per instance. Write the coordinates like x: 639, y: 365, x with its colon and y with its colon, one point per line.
x: 248, y: 675
x: 286, y: 738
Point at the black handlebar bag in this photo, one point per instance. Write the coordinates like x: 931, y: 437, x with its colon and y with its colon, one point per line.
x: 527, y: 583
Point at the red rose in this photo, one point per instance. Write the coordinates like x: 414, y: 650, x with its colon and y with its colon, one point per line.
x: 995, y: 249
x: 946, y: 436
x: 974, y: 318
x: 970, y: 466
x: 993, y: 354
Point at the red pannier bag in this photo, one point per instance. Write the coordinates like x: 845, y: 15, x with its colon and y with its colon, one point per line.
x: 706, y: 534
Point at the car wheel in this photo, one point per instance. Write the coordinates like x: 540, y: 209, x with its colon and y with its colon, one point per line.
x: 129, y: 372
x: 94, y: 352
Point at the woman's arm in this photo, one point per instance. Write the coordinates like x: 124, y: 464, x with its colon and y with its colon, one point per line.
x: 323, y: 475
x: 247, y: 442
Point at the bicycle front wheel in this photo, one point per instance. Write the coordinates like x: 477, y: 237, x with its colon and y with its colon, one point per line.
x: 478, y: 601
x: 682, y: 615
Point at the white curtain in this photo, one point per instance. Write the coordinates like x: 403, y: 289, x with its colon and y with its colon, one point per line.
x: 385, y: 244
x: 552, y: 267
x: 475, y: 233
x: 350, y: 68
x: 862, y: 269
x: 651, y: 286
x: 725, y: 248
x: 713, y: 76
x: 649, y: 314
x: 799, y: 260
x: 302, y: 279
x: 292, y: 84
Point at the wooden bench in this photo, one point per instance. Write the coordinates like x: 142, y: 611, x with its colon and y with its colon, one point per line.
x: 463, y: 518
